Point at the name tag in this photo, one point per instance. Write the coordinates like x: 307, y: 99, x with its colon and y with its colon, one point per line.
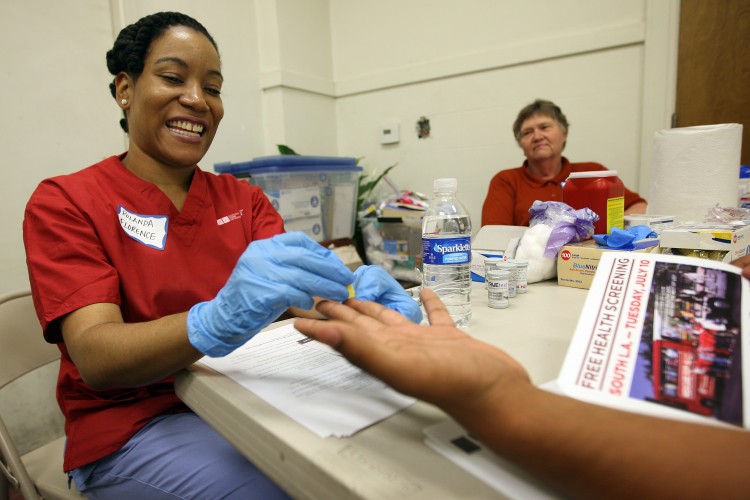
x: 151, y: 230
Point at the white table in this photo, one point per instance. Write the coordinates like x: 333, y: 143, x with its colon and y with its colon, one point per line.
x: 390, y: 459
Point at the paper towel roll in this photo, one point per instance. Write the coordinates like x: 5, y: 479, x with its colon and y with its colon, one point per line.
x: 693, y: 169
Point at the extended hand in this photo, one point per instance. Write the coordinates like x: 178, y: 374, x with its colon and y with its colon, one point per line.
x: 438, y: 363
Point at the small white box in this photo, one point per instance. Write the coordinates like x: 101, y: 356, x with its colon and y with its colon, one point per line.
x: 657, y: 223
x: 493, y: 242
x: 313, y: 226
x: 295, y: 203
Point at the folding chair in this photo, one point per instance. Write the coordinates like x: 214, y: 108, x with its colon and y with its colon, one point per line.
x: 31, y: 424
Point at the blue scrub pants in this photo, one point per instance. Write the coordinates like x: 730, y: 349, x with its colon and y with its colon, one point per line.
x: 175, y: 456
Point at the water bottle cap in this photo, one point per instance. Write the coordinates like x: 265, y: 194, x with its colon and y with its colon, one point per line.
x: 445, y: 185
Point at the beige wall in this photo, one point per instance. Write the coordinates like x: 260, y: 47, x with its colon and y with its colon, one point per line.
x: 470, y: 66
x: 323, y: 75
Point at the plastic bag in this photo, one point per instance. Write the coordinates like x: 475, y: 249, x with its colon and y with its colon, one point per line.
x: 552, y: 225
x: 727, y: 215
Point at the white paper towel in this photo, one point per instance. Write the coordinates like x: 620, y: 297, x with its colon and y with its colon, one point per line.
x: 693, y: 169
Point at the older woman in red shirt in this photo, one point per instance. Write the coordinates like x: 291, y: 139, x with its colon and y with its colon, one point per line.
x: 541, y: 130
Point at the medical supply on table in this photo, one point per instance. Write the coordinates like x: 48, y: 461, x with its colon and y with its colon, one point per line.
x: 489, y: 265
x: 492, y: 242
x: 446, y: 247
x: 577, y: 262
x: 657, y: 223
x: 522, y: 271
x: 552, y: 225
x: 497, y: 289
x: 510, y: 268
x: 722, y: 242
x: 601, y: 191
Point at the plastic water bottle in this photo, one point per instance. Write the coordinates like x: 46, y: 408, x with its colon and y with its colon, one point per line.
x: 446, y: 248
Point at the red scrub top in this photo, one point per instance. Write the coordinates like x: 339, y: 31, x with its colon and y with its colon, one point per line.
x: 513, y: 191
x: 105, y: 235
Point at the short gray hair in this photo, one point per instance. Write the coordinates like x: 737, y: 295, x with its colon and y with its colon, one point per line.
x: 543, y: 107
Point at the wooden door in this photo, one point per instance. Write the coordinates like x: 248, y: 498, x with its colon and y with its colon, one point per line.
x: 713, y: 66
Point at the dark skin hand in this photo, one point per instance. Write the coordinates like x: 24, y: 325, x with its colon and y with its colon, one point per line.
x: 584, y: 450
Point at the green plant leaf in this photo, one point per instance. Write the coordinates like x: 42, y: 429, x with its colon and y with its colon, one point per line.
x: 366, y: 187
x: 286, y: 150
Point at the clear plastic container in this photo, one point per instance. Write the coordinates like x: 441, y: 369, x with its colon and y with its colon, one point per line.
x: 510, y: 267
x: 497, y: 289
x: 522, y: 274
x: 490, y: 264
x: 314, y: 194
x: 446, y: 250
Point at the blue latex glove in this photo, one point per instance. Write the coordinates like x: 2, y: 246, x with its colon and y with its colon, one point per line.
x: 624, y: 239
x: 375, y: 284
x: 270, y: 276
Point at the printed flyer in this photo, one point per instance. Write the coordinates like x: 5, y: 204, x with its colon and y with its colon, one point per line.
x: 664, y: 335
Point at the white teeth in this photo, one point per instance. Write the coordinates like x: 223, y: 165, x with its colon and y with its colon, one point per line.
x: 186, y: 126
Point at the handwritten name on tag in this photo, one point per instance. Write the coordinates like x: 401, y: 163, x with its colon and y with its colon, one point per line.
x: 151, y: 230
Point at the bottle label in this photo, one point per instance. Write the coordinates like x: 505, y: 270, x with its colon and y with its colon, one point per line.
x: 448, y: 251
x: 615, y: 213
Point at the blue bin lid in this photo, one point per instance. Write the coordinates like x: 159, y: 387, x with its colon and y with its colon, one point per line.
x: 289, y: 163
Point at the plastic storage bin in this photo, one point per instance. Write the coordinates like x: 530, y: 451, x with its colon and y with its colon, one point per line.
x: 314, y: 194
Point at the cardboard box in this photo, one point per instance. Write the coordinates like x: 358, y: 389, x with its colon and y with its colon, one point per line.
x: 657, y: 223
x: 722, y: 242
x: 478, y: 268
x: 577, y: 262
x: 493, y: 242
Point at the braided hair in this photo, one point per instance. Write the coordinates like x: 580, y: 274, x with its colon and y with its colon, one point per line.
x: 131, y: 46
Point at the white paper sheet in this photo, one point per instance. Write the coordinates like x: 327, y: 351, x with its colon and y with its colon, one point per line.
x: 310, y: 382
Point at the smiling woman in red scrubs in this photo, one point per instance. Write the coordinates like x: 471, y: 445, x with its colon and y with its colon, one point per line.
x: 143, y: 263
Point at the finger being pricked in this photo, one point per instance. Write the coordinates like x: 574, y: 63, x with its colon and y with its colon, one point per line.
x: 347, y: 330
x: 377, y: 312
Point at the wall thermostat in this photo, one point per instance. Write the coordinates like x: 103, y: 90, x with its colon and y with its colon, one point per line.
x: 390, y: 133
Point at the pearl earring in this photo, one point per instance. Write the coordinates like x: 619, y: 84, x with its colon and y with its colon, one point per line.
x: 124, y: 102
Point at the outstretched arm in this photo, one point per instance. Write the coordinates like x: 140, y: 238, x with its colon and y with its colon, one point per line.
x: 582, y: 449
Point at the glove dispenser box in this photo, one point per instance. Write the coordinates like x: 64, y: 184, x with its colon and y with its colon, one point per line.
x: 577, y: 262
x: 314, y: 194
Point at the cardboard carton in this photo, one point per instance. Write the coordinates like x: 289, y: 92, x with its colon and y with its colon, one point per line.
x: 722, y: 242
x: 577, y: 262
